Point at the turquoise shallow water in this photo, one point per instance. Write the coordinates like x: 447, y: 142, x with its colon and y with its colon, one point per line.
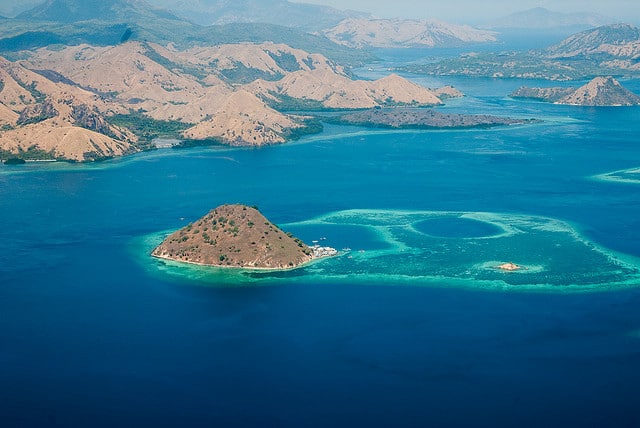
x: 427, y: 248
x: 410, y: 326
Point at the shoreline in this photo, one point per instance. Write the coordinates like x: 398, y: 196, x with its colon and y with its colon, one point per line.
x: 247, y: 268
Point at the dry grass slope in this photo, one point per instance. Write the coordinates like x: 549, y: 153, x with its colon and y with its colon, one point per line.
x: 234, y: 236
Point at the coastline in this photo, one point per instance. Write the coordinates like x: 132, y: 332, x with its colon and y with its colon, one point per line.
x: 246, y: 268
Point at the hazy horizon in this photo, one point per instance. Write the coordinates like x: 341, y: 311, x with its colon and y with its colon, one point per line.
x: 455, y: 11
x: 473, y: 12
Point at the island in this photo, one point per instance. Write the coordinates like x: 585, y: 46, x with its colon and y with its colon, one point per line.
x: 238, y: 236
x: 422, y: 118
x: 599, y: 92
x: 509, y: 267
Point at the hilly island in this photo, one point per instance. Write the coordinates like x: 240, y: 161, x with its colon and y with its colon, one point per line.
x: 68, y: 92
x: 600, y: 91
x: 237, y: 236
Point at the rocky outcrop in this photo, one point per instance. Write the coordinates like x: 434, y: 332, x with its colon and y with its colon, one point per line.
x: 601, y: 91
x: 234, y: 236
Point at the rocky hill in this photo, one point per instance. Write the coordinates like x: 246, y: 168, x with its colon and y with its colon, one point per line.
x: 390, y: 33
x: 616, y: 40
x: 601, y: 91
x: 328, y: 89
x: 243, y: 120
x: 235, y: 236
x: 50, y: 119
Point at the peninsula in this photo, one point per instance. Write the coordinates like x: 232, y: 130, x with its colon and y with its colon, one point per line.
x: 238, y: 236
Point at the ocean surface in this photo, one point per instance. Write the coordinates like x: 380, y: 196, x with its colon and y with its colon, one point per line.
x: 410, y: 326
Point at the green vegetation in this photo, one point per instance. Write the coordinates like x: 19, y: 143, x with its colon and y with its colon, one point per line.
x: 286, y: 103
x: 147, y: 128
x: 242, y: 74
x: 199, y: 73
x: 311, y: 126
x: 183, y: 144
x: 14, y: 161
x: 32, y: 153
x: 285, y: 61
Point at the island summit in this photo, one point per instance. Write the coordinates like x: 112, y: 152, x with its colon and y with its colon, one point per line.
x: 238, y: 236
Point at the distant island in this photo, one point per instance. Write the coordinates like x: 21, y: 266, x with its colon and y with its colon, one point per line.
x: 405, y: 33
x: 238, y: 236
x: 421, y: 118
x: 601, y: 92
x: 607, y: 50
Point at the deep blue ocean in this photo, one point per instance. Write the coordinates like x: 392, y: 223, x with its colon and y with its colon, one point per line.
x: 410, y: 328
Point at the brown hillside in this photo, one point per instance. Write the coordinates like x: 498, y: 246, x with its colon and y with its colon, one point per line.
x: 56, y: 118
x: 338, y: 91
x: 234, y: 236
x: 123, y: 70
x: 7, y: 116
x: 204, y: 87
x: 244, y: 120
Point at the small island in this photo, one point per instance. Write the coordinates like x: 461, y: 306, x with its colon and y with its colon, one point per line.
x: 238, y: 236
x: 422, y: 118
x: 509, y: 267
x: 599, y: 92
